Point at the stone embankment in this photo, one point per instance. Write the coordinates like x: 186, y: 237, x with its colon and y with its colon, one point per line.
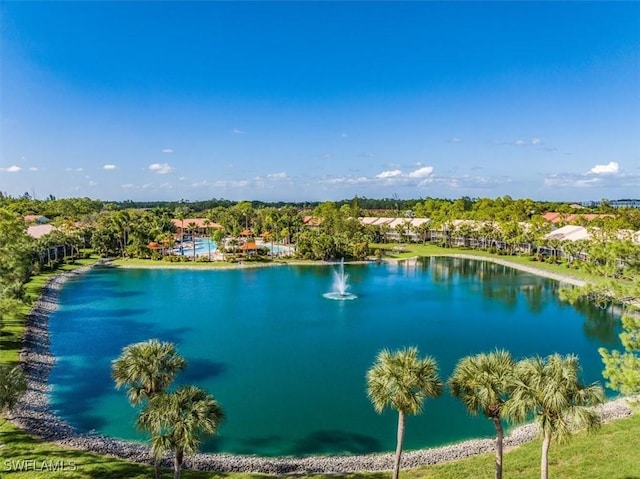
x: 34, y: 415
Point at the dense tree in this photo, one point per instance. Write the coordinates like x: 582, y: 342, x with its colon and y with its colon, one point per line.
x: 483, y: 383
x: 402, y: 380
x: 12, y: 386
x: 620, y: 284
x: 550, y: 390
x: 16, y: 249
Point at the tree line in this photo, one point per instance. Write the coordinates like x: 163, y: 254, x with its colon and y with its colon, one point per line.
x: 499, y: 208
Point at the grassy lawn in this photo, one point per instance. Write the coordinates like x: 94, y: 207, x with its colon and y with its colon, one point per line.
x: 609, y: 453
x: 151, y: 263
x: 12, y: 331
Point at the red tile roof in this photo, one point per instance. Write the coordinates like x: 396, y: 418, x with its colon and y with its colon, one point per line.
x: 198, y: 221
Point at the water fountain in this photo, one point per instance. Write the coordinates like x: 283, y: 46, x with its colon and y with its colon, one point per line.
x: 340, y: 285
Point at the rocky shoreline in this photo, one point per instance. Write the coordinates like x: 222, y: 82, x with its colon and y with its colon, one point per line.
x: 34, y: 415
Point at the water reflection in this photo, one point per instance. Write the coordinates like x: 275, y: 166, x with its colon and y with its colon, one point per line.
x: 507, y: 285
x: 600, y: 323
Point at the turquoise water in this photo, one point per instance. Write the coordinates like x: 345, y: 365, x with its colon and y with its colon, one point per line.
x: 278, y: 249
x: 288, y: 366
x: 203, y: 246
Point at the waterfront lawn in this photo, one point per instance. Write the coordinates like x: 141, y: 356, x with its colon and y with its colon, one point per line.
x: 40, y: 459
x: 155, y: 263
x: 610, y: 452
x: 12, y: 331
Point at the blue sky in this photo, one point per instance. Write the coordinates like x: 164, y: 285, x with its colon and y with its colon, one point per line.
x: 300, y: 101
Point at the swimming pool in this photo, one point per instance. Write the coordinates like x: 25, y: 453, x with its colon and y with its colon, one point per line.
x: 203, y: 247
x: 278, y: 249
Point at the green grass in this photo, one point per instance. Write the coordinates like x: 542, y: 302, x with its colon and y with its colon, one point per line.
x: 21, y: 447
x: 151, y: 263
x: 12, y: 331
x: 609, y: 453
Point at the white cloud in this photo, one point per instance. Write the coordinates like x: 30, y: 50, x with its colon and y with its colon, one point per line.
x: 455, y: 139
x: 611, y: 169
x: 277, y: 176
x: 423, y: 172
x: 231, y: 183
x: 344, y: 135
x: 237, y: 131
x: 33, y: 168
x: 418, y: 177
x: 12, y: 169
x: 74, y: 169
x: 161, y: 168
x: 109, y: 167
x: 519, y: 142
x: 346, y: 180
x: 92, y: 183
x: 600, y: 176
x: 167, y: 150
x: 127, y: 186
x: 389, y: 174
x: 567, y: 180
x: 469, y: 181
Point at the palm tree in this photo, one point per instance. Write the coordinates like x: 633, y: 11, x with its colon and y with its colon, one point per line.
x: 207, y: 224
x: 181, y: 213
x: 483, y: 383
x: 551, y: 391
x: 178, y: 420
x: 193, y: 228
x: 122, y: 222
x: 146, y: 369
x: 402, y: 381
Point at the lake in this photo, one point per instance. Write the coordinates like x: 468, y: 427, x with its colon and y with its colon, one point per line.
x: 288, y: 365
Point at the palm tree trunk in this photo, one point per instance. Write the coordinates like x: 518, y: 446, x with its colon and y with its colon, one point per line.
x: 544, y: 461
x: 156, y: 467
x: 177, y: 464
x: 396, y: 468
x: 499, y: 436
